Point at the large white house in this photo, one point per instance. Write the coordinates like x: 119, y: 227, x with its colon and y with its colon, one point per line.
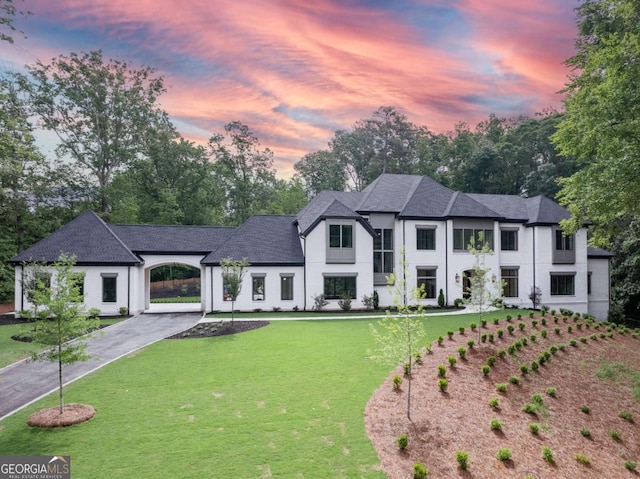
x: 343, y: 243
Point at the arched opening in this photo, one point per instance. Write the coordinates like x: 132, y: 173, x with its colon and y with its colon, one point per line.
x: 174, y: 286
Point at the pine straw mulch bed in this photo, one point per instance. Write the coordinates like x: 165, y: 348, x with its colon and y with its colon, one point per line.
x: 51, y: 417
x: 458, y: 420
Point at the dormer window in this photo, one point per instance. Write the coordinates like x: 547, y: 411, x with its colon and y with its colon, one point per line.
x: 340, y: 241
x: 564, y: 247
x: 340, y: 236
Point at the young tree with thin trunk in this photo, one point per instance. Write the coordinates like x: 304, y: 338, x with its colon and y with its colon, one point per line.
x: 61, y: 324
x: 399, y: 335
x: 233, y: 272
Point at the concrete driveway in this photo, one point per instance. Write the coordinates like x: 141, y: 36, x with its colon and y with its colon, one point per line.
x: 25, y: 382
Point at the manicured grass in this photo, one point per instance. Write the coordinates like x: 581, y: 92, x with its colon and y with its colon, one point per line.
x: 286, y: 400
x: 12, y: 351
x: 266, y: 314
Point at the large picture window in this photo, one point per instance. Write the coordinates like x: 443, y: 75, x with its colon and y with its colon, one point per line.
x: 109, y: 288
x: 510, y: 282
x: 427, y: 278
x: 336, y: 287
x: 425, y: 238
x: 563, y: 284
x: 462, y: 237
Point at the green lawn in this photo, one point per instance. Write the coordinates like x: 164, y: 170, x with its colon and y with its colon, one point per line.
x: 286, y: 400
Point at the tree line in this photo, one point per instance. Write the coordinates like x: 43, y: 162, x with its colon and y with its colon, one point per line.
x: 119, y: 153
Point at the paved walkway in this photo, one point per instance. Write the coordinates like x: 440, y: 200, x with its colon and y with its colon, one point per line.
x: 25, y: 382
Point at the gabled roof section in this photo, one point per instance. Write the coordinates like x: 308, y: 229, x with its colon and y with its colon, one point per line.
x: 86, y: 237
x: 429, y: 199
x: 509, y: 207
x: 464, y: 206
x: 328, y: 204
x: 388, y: 193
x: 263, y: 240
x: 177, y: 239
x: 543, y: 211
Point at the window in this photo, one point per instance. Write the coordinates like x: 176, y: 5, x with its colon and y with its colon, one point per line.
x: 509, y: 240
x: 257, y: 288
x: 109, y: 288
x: 335, y: 287
x: 383, y: 251
x: 589, y: 282
x: 563, y: 284
x: 37, y: 283
x: 426, y: 238
x: 462, y: 237
x: 510, y: 282
x: 427, y: 277
x: 340, y: 236
x: 286, y: 288
x: 564, y: 243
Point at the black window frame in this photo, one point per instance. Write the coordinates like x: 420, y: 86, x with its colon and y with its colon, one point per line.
x: 342, y: 238
x: 510, y: 280
x: 109, y: 290
x: 425, y: 239
x: 509, y: 240
x: 462, y: 238
x: 258, y: 281
x: 562, y: 284
x: 336, y: 286
x: 383, y: 257
x: 427, y: 276
x: 286, y: 287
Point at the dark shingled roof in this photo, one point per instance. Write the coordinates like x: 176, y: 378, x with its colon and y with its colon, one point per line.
x: 262, y: 240
x: 429, y: 199
x: 172, y: 239
x: 593, y: 252
x: 543, y: 211
x: 86, y: 237
x: 388, y: 193
x: 328, y: 204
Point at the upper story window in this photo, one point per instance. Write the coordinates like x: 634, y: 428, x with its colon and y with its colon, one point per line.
x: 426, y: 238
x: 462, y: 237
x: 340, y: 241
x: 340, y: 236
x: 564, y: 247
x: 383, y: 251
x: 509, y: 240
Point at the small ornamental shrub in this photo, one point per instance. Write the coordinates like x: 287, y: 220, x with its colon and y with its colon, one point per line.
x: 496, y: 321
x: 521, y: 326
x: 534, y: 323
x: 511, y: 349
x: 547, y: 454
x: 442, y: 370
x: 462, y: 352
x: 503, y: 454
x: 524, y: 369
x: 582, y: 459
x: 123, y: 310
x: 626, y: 415
x: 496, y: 425
x: 543, y: 333
x: 593, y: 337
x: 534, y: 366
x: 417, y: 357
x: 407, y: 368
x: 518, y: 344
x: 494, y: 403
x: 443, y: 384
x: 530, y: 408
x: 450, y: 334
x: 463, y: 459
x: 500, y: 332
x: 579, y: 326
x: 470, y: 343
x: 542, y: 359
x: 569, y: 329
x: 555, y: 319
x: 537, y: 399
x: 502, y: 353
x: 491, y: 360
x: 397, y: 382
x: 490, y: 337
x: 556, y: 330
x: 602, y: 336
x: 533, y: 338
x: 553, y: 349
x: 547, y: 355
x: 486, y: 369
x: 95, y: 312
x: 534, y: 427
x: 402, y: 441
x: 562, y: 347
x: 510, y: 328
x: 551, y: 391
x: 573, y: 343
x: 543, y: 321
x: 523, y: 341
x: 501, y: 387
x: 419, y: 471
x: 583, y: 339
x: 483, y: 337
x: 461, y: 329
x: 514, y: 380
x: 519, y: 316
x: 585, y: 409
x: 613, y: 434
x: 508, y: 317
x: 630, y: 465
x: 483, y: 323
x: 585, y: 433
x: 473, y: 326
x: 440, y: 339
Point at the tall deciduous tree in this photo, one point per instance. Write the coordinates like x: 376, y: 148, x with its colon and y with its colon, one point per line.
x: 320, y: 171
x: 601, y: 127
x: 100, y: 110
x: 63, y: 318
x: 8, y: 12
x: 243, y: 169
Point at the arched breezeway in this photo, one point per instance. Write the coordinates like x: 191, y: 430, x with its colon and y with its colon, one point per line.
x: 187, y: 292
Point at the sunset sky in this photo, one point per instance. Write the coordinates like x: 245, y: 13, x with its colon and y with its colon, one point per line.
x: 295, y: 71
